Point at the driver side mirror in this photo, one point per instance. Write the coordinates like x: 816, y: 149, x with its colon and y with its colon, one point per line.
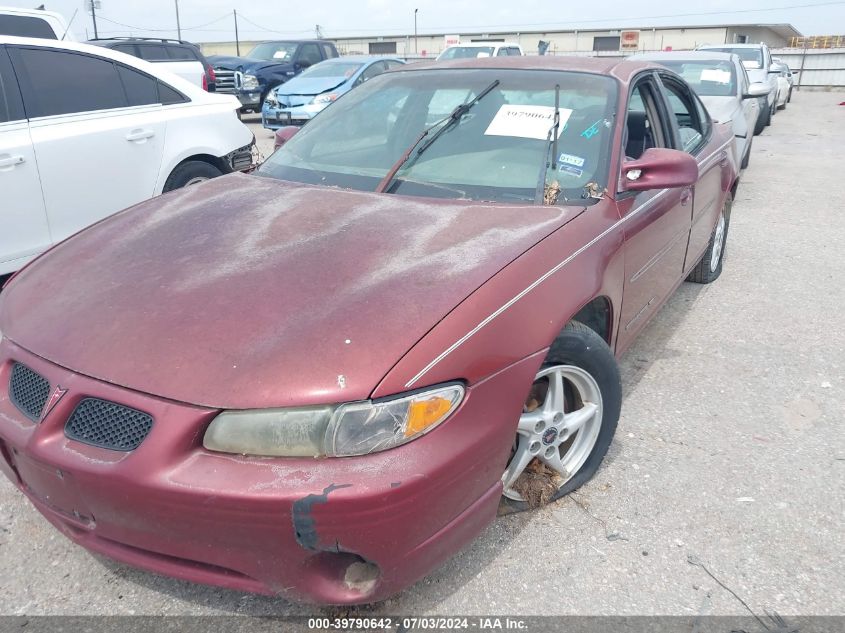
x: 774, y: 69
x: 659, y: 168
x: 283, y: 135
x: 756, y: 90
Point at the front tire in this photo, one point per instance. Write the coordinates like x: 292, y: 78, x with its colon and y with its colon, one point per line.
x: 763, y: 117
x: 191, y: 172
x: 709, y: 267
x: 562, y: 440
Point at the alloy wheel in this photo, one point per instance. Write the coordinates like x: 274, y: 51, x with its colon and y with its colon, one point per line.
x: 718, y: 243
x: 559, y: 426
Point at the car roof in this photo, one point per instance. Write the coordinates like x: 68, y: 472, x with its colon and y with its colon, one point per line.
x: 709, y: 46
x: 359, y: 58
x: 686, y: 55
x: 620, y: 68
x: 480, y: 44
x: 194, y: 92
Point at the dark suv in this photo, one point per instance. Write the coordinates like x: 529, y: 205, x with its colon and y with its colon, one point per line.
x: 266, y: 66
x: 160, y: 50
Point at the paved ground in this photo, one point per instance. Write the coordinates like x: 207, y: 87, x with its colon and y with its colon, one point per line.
x: 730, y: 450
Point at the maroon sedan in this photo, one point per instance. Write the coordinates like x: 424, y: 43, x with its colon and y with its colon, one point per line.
x: 322, y: 380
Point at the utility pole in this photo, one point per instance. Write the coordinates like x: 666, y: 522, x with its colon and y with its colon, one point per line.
x: 93, y: 4
x: 416, y: 48
x: 237, y: 40
x: 178, y: 26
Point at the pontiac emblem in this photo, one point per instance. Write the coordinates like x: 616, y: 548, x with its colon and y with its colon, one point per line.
x: 57, y: 395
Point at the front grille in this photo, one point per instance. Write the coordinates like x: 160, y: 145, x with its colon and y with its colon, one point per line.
x: 225, y: 81
x: 108, y: 425
x: 28, y: 391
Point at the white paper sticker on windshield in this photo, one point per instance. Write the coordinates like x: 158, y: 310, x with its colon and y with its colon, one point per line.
x: 717, y: 75
x: 280, y: 54
x: 526, y: 121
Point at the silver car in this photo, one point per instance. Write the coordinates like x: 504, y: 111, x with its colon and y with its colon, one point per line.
x: 720, y: 80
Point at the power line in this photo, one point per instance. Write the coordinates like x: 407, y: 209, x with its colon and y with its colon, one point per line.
x: 184, y: 28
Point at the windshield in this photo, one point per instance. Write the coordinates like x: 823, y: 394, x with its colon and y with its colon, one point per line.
x: 332, y: 69
x: 463, y: 52
x: 269, y: 51
x: 707, y: 78
x: 495, y: 152
x: 751, y: 57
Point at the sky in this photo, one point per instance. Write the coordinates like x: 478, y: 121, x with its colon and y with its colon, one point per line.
x: 211, y: 20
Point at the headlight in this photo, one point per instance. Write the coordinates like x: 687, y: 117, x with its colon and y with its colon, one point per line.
x: 325, y: 98
x: 271, y: 100
x: 250, y: 82
x: 355, y: 428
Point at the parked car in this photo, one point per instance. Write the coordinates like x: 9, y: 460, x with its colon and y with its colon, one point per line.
x: 86, y: 131
x: 177, y: 56
x: 784, y: 78
x: 266, y: 66
x: 723, y: 85
x: 302, y: 98
x: 34, y: 23
x: 480, y: 49
x: 790, y: 75
x: 757, y: 59
x: 319, y: 381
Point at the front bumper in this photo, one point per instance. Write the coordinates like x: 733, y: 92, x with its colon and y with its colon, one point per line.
x: 291, y: 527
x: 274, y: 118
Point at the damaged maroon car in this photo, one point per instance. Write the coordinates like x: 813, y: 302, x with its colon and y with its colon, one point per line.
x: 321, y: 380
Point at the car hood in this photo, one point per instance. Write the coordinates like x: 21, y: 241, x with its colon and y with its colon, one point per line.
x: 308, y: 86
x: 244, y: 64
x: 249, y: 292
x: 722, y: 109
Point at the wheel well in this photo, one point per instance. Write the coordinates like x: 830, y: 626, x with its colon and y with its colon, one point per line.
x: 596, y: 315
x: 734, y: 187
x: 214, y: 161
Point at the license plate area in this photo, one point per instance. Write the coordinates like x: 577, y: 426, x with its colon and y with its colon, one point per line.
x: 54, y: 487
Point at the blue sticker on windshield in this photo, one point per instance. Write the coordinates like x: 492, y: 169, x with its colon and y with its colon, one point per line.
x: 591, y: 131
x: 569, y: 169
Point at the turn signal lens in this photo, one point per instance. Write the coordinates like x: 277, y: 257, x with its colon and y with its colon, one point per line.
x: 425, y: 413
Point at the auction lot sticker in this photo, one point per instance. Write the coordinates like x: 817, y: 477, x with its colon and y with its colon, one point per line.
x: 526, y: 121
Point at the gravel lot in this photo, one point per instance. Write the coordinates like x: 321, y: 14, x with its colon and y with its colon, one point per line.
x: 730, y: 449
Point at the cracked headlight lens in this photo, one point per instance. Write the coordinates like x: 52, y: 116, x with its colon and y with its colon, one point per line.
x: 354, y: 428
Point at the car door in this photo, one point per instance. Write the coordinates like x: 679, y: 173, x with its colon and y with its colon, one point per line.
x: 96, y: 153
x: 23, y: 221
x: 657, y: 223
x: 693, y: 134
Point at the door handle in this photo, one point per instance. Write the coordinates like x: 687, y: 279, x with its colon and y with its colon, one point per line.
x: 139, y: 135
x: 7, y: 161
x: 686, y: 196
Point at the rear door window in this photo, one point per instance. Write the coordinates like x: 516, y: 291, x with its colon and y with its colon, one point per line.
x: 11, y: 107
x: 153, y: 52
x: 58, y: 82
x: 309, y: 54
x: 181, y: 54
x: 140, y: 89
x: 129, y: 49
x: 26, y: 26
x: 328, y: 51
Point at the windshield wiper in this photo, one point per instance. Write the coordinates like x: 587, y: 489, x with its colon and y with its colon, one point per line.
x: 551, y: 146
x: 447, y: 123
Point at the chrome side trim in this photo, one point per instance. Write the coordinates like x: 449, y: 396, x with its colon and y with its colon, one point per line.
x: 533, y: 285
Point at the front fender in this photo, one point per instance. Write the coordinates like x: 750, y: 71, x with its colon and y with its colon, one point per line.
x: 523, y: 308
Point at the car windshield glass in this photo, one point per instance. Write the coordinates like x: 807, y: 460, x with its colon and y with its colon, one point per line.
x: 463, y: 52
x: 707, y: 78
x: 332, y: 69
x: 495, y: 151
x: 273, y: 50
x: 751, y: 57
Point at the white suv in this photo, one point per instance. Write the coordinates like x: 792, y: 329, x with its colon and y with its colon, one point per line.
x: 86, y: 131
x: 481, y: 49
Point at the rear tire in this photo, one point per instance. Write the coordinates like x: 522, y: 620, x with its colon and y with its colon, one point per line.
x: 708, y: 269
x: 590, y: 376
x: 189, y: 173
